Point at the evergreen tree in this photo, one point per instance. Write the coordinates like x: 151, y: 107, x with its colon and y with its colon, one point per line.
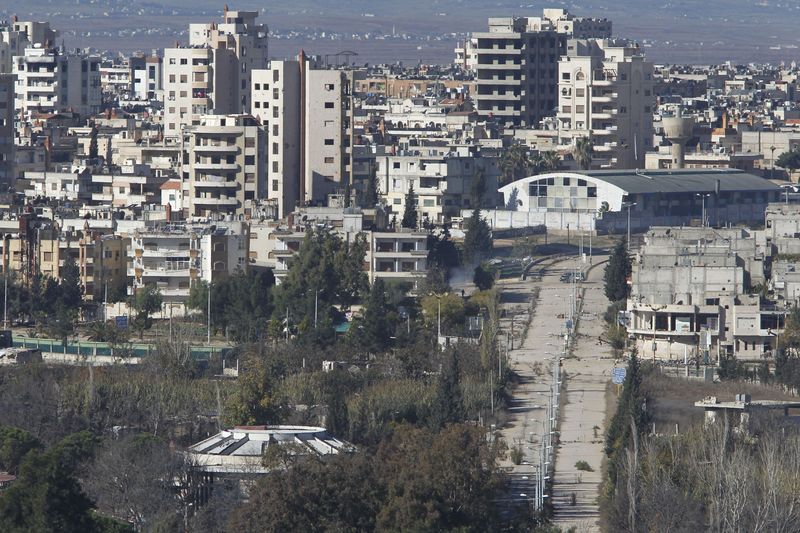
x: 145, y: 302
x: 410, y: 210
x: 371, y: 195
x: 374, y: 328
x: 477, y: 239
x: 70, y: 291
x: 93, y: 143
x: 617, y: 272
x: 109, y: 158
x: 347, y: 192
x: 448, y: 405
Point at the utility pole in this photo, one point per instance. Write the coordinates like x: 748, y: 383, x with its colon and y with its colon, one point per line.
x: 316, y: 296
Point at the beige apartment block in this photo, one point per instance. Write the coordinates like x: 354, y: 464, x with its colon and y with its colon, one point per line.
x: 224, y: 166
x: 605, y: 93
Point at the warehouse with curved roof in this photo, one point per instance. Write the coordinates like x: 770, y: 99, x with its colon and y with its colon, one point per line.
x: 600, y: 199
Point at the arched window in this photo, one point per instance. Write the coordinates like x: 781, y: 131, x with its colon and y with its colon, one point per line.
x: 579, y: 76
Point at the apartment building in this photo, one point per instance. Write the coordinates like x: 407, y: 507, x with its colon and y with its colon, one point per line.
x: 147, y: 79
x: 7, y: 146
x: 306, y: 113
x: 442, y: 181
x: 212, y: 75
x: 605, y: 93
x: 691, y: 295
x: 173, y: 257
x: 517, y: 64
x: 224, y: 166
x: 49, y: 81
x: 277, y: 103
x: 45, y: 248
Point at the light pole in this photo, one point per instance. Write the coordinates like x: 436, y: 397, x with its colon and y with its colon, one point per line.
x: 786, y: 189
x: 703, y: 201
x: 629, y: 205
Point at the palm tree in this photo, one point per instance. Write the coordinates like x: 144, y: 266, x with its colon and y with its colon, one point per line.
x: 584, y: 149
x: 515, y: 163
x: 550, y: 160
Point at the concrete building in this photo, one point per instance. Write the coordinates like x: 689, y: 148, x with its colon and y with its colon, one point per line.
x: 691, y: 295
x: 16, y: 36
x: 442, y: 182
x: 175, y: 256
x: 49, y: 81
x: 212, y: 75
x: 7, y: 146
x: 598, y: 200
x: 147, y: 78
x: 306, y: 112
x: 605, y: 93
x: 224, y: 166
x: 276, y: 104
x: 516, y: 63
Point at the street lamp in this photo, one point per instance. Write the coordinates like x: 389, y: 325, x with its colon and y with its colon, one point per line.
x: 786, y: 189
x: 629, y: 205
x: 703, y: 199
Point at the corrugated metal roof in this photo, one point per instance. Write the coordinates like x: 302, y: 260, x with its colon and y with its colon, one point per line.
x: 682, y: 181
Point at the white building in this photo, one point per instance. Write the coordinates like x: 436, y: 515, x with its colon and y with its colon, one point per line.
x: 147, y: 78
x: 212, y: 75
x: 605, y: 93
x: 48, y: 81
x: 174, y: 256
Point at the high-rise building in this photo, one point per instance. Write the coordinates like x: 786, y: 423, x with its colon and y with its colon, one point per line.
x: 517, y: 63
x: 212, y: 75
x: 7, y: 167
x: 146, y: 76
x: 224, y: 166
x: 49, y: 80
x: 606, y: 94
x: 306, y: 112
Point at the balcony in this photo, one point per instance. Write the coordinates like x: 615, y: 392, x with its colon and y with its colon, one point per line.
x: 159, y: 272
x: 216, y: 148
x: 216, y: 166
x: 219, y: 202
x: 217, y: 182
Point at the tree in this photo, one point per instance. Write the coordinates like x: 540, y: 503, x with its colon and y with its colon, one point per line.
x: 371, y: 194
x: 630, y: 414
x: 789, y: 160
x: 252, y: 402
x: 46, y: 497
x: 478, y: 188
x: 145, y: 302
x: 477, y: 239
x: 70, y: 290
x: 15, y: 444
x: 583, y: 152
x: 550, y: 161
x: 374, y: 328
x: 483, y: 278
x: 93, y: 143
x: 348, y: 264
x: 448, y: 406
x: 617, y: 272
x: 347, y: 192
x: 410, y: 210
x: 515, y: 163
x: 108, y: 159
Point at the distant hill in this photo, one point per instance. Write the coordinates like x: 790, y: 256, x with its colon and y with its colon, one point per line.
x: 675, y: 30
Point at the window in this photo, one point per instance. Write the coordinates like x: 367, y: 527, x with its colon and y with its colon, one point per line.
x: 184, y: 61
x: 276, y: 75
x: 275, y: 166
x: 565, y: 75
x: 275, y: 148
x: 328, y: 105
x: 275, y: 185
x: 184, y: 78
x: 396, y: 165
x: 329, y: 160
x: 580, y: 93
x: 258, y: 86
x: 329, y: 86
x: 328, y: 142
x: 249, y: 160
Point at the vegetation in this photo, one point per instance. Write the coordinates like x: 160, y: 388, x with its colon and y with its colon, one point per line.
x: 583, y: 152
x: 416, y: 480
x: 617, y: 272
x: 145, y: 302
x: 583, y: 466
x: 410, y: 215
x: 477, y: 239
x: 789, y: 160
